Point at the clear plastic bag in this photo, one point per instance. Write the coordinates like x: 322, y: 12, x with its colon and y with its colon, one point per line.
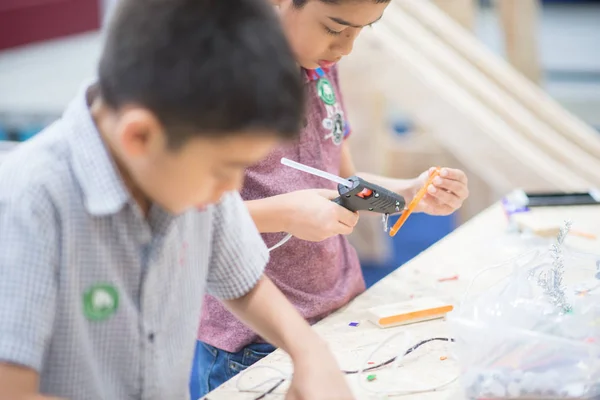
x: 513, y: 342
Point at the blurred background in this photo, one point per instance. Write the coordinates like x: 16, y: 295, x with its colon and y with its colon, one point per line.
x: 508, y: 90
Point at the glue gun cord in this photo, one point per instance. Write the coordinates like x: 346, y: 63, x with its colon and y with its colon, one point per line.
x: 281, y: 242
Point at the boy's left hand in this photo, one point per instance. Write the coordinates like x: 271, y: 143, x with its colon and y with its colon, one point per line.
x: 445, y: 195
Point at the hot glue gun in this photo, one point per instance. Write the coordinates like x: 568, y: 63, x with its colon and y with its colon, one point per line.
x: 356, y: 194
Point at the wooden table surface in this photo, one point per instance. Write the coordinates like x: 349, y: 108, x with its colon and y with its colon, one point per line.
x: 483, y: 241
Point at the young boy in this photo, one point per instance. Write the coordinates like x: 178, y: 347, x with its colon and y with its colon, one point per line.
x: 115, y: 219
x: 317, y: 270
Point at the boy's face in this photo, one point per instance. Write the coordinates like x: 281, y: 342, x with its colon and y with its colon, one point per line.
x: 196, y: 174
x: 321, y: 34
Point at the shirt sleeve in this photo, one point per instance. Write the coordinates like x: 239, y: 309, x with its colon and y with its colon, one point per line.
x: 28, y: 259
x: 239, y: 254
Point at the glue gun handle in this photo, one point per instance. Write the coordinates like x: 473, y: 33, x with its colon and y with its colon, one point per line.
x: 369, y: 197
x: 339, y: 201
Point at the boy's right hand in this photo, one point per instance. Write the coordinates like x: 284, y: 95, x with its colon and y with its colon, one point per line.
x: 314, y: 217
x: 20, y: 383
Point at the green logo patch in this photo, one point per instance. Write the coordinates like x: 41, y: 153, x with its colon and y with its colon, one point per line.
x: 100, y: 301
x: 325, y: 91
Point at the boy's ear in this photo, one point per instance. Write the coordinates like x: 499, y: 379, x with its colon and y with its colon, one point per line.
x: 140, y: 132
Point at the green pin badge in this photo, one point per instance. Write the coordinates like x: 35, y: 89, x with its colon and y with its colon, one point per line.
x: 100, y: 301
x: 325, y: 91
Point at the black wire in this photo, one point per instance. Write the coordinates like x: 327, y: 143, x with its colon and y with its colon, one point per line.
x: 391, y: 360
x: 383, y: 364
x: 265, y: 394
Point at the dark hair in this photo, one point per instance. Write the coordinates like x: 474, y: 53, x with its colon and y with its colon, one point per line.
x: 301, y: 3
x: 203, y: 67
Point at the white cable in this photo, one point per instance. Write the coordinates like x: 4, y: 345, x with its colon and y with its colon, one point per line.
x: 508, y: 262
x: 282, y: 376
x: 511, y: 261
x: 281, y: 242
x: 287, y: 377
x: 397, y: 361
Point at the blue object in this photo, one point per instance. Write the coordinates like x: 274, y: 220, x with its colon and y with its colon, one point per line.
x: 402, y: 126
x: 418, y: 233
x: 212, y: 367
x: 28, y: 133
x: 3, y: 134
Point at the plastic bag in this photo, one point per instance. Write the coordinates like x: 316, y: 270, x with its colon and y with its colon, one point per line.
x: 514, y: 342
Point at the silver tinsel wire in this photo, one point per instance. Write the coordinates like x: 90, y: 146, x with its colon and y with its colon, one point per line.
x: 552, y: 281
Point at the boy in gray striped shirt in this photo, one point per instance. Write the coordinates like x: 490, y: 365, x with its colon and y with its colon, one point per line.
x: 116, y: 219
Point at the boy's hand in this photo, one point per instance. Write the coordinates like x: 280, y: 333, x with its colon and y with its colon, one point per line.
x: 445, y: 195
x: 317, y: 376
x: 20, y: 383
x: 313, y: 216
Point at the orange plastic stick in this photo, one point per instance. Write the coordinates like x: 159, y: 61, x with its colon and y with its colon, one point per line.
x: 414, y: 202
x: 584, y: 235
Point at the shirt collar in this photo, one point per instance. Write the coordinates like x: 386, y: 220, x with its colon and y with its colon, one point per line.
x: 103, y: 188
x: 311, y: 75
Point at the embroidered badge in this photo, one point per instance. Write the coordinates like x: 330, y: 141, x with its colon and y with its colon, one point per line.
x: 334, y: 123
x: 100, y: 301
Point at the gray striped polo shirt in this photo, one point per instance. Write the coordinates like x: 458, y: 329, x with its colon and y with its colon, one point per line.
x: 101, y: 301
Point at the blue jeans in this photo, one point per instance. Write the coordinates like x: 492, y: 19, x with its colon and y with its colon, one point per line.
x: 212, y: 367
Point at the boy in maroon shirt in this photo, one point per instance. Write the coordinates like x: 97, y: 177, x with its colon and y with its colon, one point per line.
x: 318, y: 270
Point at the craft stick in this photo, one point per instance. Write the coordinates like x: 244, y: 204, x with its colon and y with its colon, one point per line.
x: 413, y: 204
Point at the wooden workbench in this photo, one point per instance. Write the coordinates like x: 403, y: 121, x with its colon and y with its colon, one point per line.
x: 481, y: 242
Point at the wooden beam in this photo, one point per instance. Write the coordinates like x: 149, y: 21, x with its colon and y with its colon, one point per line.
x: 489, y: 93
x: 530, y: 95
x: 519, y: 21
x: 472, y: 132
x: 462, y: 11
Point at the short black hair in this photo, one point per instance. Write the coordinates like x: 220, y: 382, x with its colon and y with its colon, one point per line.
x: 203, y: 67
x: 301, y: 3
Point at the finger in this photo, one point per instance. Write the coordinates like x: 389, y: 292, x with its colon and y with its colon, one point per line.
x: 454, y: 174
x: 343, y: 229
x: 433, y: 207
x: 347, y: 217
x: 456, y: 187
x: 445, y: 198
x: 328, y: 194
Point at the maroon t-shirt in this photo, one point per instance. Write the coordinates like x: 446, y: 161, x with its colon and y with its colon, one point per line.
x: 318, y: 278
